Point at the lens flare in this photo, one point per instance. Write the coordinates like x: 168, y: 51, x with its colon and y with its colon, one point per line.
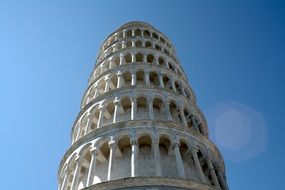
x: 238, y: 130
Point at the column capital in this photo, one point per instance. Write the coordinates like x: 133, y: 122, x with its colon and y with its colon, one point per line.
x: 116, y: 102
x: 194, y: 149
x: 134, y: 141
x: 94, y: 151
x: 111, y: 144
x: 78, y: 159
x: 119, y: 73
x: 175, y: 144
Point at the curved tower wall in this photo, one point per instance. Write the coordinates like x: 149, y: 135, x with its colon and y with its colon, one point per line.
x: 139, y: 125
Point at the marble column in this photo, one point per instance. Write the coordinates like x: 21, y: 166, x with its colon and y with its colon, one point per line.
x: 134, y: 108
x: 107, y: 82
x: 156, y: 153
x: 173, y: 85
x: 120, y: 78
x: 116, y: 109
x: 178, y: 159
x: 161, y: 81
x: 111, y: 159
x: 122, y: 59
x: 101, y: 116
x: 65, y: 179
x: 212, y: 172
x: 183, y: 117
x: 146, y: 77
x: 198, y: 167
x: 222, y: 178
x: 92, y: 166
x: 134, y: 157
x: 75, y: 180
x: 193, y: 120
x: 150, y: 108
x: 134, y: 78
x: 167, y: 110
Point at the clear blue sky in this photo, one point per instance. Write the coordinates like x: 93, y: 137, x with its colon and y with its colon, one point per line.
x: 232, y: 52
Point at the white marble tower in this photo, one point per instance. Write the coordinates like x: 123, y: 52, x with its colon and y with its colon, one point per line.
x: 139, y: 126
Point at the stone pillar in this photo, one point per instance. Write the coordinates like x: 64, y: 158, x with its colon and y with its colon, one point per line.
x: 123, y: 44
x: 134, y: 157
x: 117, y: 104
x: 222, y: 178
x: 156, y: 153
x: 134, y: 78
x: 120, y: 78
x: 65, y: 178
x: 92, y: 167
x: 167, y: 110
x: 161, y: 81
x: 146, y: 77
x: 150, y: 108
x: 75, y: 180
x: 173, y: 85
x: 101, y: 116
x: 78, y: 133
x: 212, y: 172
x: 183, y: 117
x: 198, y: 167
x: 193, y: 120
x: 133, y: 57
x: 122, y: 59
x: 111, y: 159
x: 178, y: 159
x: 183, y: 91
x: 134, y: 108
x: 107, y: 80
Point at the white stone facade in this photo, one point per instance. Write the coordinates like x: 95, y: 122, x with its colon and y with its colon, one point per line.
x: 139, y: 119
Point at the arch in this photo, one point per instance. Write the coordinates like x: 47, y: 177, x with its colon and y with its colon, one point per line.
x: 127, y: 78
x: 161, y: 61
x: 157, y: 47
x: 150, y: 58
x: 171, y: 66
x: 129, y: 44
x: 116, y: 61
x: 158, y: 108
x: 138, y: 43
x: 175, y: 113
x: 139, y: 57
x: 178, y: 88
x: 162, y: 39
x: 142, y: 108
x: 154, y: 35
x: 146, y: 33
x: 153, y: 78
x: 167, y: 82
x: 138, y: 32
x: 129, y: 33
x: 187, y: 115
x: 148, y: 44
x: 124, y: 112
x: 140, y: 77
x: 145, y: 156
x: 109, y: 113
x: 113, y: 81
x: 101, y: 87
x: 128, y: 58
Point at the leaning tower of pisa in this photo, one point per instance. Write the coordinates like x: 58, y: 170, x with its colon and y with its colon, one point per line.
x: 139, y: 126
